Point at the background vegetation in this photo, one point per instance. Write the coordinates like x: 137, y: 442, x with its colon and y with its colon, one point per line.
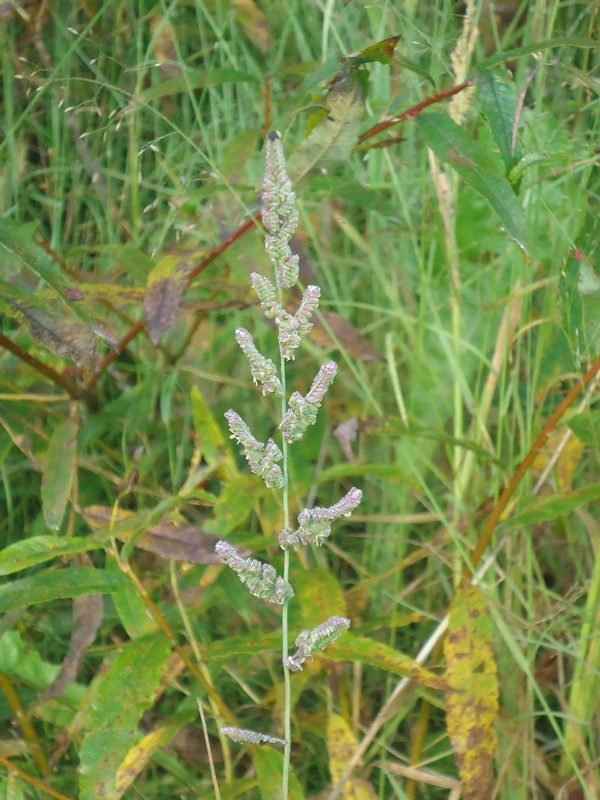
x: 455, y: 250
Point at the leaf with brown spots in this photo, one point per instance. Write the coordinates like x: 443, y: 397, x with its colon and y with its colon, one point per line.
x: 166, y: 283
x: 341, y: 746
x: 472, y: 703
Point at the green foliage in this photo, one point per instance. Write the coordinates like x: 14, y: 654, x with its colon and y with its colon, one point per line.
x: 457, y: 251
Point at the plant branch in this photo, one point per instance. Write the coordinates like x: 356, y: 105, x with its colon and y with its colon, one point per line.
x: 73, y: 390
x: 510, y: 488
x: 415, y: 110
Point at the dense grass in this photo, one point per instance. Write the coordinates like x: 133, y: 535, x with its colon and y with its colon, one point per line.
x: 119, y: 168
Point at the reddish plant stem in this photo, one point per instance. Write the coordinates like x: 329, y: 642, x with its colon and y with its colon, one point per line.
x: 510, y: 488
x: 415, y: 110
x: 74, y: 391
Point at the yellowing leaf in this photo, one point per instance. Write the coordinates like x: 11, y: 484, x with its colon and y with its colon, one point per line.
x: 567, y: 460
x: 333, y: 140
x: 472, y: 703
x: 341, y: 746
x: 139, y: 756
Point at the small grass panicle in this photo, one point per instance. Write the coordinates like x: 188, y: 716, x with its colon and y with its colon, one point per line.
x: 280, y: 218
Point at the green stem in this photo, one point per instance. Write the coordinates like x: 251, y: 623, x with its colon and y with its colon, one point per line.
x: 287, y: 711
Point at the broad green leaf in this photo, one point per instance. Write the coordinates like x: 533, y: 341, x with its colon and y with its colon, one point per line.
x: 125, y: 692
x: 332, y: 141
x: 55, y: 584
x: 166, y: 283
x: 49, y: 325
x: 358, y: 648
x: 237, y: 500
x: 269, y: 771
x: 212, y: 441
x: 37, y: 549
x: 453, y: 145
x: 586, y: 427
x: 59, y: 472
x: 341, y: 746
x: 536, y: 47
x: 247, y: 644
x: 546, y: 509
x: 553, y: 155
x: 472, y: 703
x: 498, y: 98
x: 194, y: 79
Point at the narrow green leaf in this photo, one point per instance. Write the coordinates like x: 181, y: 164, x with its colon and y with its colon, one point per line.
x: 452, y: 144
x: 194, y: 79
x: 59, y: 472
x: 38, y: 549
x: 586, y: 427
x: 536, y: 47
x: 359, y: 648
x: 498, y: 97
x: 546, y: 509
x: 53, y: 585
x: 125, y: 692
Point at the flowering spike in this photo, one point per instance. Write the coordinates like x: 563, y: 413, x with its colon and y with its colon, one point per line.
x: 317, y: 639
x: 293, y: 328
x: 315, y: 523
x: 245, y: 736
x: 280, y: 216
x: 260, y: 579
x: 266, y: 293
x: 263, y: 369
x: 302, y: 411
x: 261, y: 458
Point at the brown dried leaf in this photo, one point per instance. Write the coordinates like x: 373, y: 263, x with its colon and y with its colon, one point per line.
x: 88, y: 611
x: 353, y: 342
x: 191, y: 544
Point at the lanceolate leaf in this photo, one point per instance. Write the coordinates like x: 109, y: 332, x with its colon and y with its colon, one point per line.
x: 59, y: 471
x: 341, y: 746
x: 37, y: 549
x: 498, y: 98
x: 194, y: 79
x: 455, y: 146
x: 53, y: 585
x: 472, y: 703
x: 536, y: 47
x: 546, y: 509
x: 332, y: 141
x: 165, y: 286
x: 378, y: 51
x: 125, y: 692
x: 378, y: 654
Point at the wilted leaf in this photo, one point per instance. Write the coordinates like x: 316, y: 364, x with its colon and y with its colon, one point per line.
x: 51, y: 585
x: 253, y: 23
x: 127, y: 689
x: 453, y: 145
x: 341, y: 746
x: 346, y: 433
x: 564, y: 466
x: 166, y: 284
x: 332, y: 141
x: 112, y: 292
x: 188, y: 543
x: 353, y: 342
x: 378, y: 51
x: 472, y: 703
x: 59, y: 472
x: 498, y: 97
x: 377, y: 654
x: 37, y: 549
x: 88, y: 610
x: 269, y: 771
x: 50, y: 327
